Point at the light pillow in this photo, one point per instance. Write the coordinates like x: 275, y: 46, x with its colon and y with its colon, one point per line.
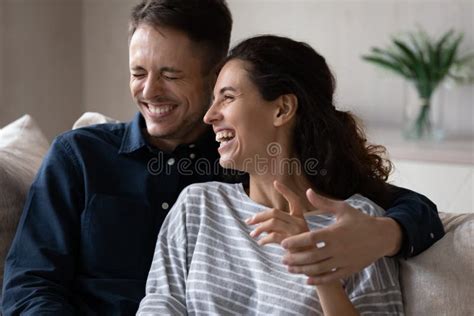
x: 22, y: 148
x: 92, y: 118
x: 440, y: 281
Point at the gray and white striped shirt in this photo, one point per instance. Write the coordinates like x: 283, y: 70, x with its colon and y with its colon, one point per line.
x: 205, y: 263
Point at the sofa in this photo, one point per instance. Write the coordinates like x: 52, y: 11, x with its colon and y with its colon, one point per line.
x: 439, y: 281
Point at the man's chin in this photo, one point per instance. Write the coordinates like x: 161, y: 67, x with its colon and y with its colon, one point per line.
x: 160, y: 132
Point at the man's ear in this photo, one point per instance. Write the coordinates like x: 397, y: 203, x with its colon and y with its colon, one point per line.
x: 287, y: 104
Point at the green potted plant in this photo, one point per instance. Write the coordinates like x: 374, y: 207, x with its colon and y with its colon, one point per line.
x: 426, y: 63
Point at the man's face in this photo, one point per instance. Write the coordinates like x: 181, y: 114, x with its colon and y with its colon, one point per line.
x: 168, y: 84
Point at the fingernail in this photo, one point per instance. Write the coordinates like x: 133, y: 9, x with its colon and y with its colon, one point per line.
x: 291, y: 270
x: 320, y: 244
x: 284, y: 245
x: 252, y: 233
x: 284, y: 261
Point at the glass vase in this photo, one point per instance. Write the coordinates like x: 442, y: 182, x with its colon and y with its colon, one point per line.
x: 423, y: 118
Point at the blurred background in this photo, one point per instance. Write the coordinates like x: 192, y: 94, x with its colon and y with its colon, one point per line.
x: 60, y: 58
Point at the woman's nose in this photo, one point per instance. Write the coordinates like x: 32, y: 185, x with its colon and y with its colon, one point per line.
x: 213, y: 114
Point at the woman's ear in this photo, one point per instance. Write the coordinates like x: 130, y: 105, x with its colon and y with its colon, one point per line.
x: 287, y: 104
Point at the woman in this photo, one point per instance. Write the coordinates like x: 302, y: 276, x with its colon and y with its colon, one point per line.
x: 219, y: 249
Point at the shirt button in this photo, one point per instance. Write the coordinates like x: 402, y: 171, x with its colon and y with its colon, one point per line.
x: 192, y: 146
x: 432, y: 235
x: 192, y: 156
x: 171, y: 161
x: 165, y: 206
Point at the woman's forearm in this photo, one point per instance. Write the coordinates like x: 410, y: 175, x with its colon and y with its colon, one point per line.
x: 334, y: 300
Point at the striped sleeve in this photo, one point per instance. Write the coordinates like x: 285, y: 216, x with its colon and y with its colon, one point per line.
x: 379, y: 303
x: 165, y: 292
x: 375, y: 290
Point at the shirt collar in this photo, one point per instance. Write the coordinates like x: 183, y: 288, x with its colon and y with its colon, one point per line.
x: 133, y: 138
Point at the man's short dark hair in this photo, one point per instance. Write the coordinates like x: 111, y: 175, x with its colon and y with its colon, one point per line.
x: 205, y: 22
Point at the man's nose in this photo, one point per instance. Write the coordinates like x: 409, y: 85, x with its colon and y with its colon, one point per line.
x: 153, y: 87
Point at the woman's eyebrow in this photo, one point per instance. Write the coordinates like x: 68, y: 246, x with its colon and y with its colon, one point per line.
x: 222, y: 90
x: 228, y: 88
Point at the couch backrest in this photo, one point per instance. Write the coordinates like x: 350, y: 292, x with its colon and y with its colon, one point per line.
x: 440, y: 281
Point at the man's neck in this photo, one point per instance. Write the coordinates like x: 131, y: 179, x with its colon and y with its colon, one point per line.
x: 170, y: 144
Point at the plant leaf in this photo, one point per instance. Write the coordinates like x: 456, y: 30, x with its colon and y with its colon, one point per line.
x: 397, y: 60
x: 385, y: 64
x: 451, y: 52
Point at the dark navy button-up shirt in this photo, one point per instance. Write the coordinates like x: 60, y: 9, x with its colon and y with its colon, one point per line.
x: 86, y: 238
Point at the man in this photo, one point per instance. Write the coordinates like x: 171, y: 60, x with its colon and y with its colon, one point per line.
x: 86, y: 238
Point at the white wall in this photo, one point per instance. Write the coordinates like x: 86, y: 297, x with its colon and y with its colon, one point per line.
x: 105, y: 55
x: 63, y: 57
x: 42, y: 66
x: 344, y: 30
x: 449, y: 186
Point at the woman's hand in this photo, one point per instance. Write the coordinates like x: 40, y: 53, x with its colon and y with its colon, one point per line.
x: 278, y: 224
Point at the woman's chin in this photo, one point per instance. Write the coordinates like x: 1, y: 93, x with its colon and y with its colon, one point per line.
x: 230, y: 163
x: 226, y: 163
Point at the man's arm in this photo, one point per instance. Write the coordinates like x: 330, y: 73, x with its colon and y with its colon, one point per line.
x: 356, y: 239
x: 418, y: 219
x: 39, y: 268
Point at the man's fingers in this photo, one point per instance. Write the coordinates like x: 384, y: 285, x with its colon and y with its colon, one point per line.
x: 315, y: 270
x: 328, y: 277
x: 296, y: 207
x: 306, y: 257
x: 323, y: 204
x: 308, y: 239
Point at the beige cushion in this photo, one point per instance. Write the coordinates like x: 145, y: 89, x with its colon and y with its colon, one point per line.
x: 91, y: 118
x: 22, y: 148
x: 440, y: 281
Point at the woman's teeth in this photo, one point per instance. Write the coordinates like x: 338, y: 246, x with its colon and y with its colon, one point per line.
x: 160, y: 109
x: 224, y: 136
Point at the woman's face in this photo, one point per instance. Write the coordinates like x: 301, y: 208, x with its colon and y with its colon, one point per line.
x: 241, y: 119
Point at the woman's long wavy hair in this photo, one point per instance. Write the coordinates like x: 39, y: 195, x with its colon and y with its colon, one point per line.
x: 279, y: 66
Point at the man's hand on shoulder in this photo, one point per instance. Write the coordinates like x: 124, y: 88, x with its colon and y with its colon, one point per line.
x: 353, y: 242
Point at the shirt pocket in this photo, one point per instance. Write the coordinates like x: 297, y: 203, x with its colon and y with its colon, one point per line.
x: 116, y: 234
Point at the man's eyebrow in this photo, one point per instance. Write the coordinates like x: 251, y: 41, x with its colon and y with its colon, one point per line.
x: 170, y: 69
x: 162, y: 69
x: 137, y: 68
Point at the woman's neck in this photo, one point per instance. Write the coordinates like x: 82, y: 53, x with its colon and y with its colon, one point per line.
x: 262, y: 191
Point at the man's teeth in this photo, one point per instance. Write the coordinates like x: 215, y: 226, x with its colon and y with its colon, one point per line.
x: 224, y: 136
x: 160, y: 109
